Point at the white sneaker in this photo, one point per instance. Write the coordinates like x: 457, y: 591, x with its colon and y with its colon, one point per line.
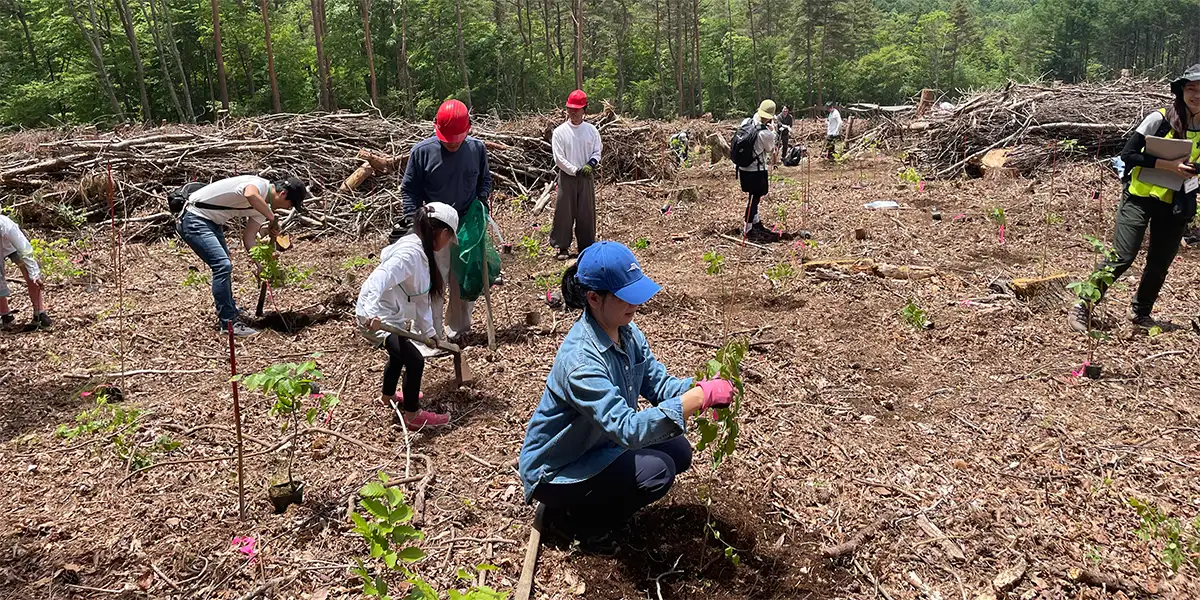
x: 241, y: 330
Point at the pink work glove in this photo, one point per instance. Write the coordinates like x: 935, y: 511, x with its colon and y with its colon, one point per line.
x: 718, y: 393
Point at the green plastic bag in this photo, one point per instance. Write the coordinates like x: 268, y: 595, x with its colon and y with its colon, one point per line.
x: 473, y: 245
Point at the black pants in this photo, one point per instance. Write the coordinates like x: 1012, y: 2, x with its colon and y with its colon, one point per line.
x: 403, y: 355
x: 783, y: 142
x: 607, y: 500
x: 755, y: 184
x: 1134, y: 216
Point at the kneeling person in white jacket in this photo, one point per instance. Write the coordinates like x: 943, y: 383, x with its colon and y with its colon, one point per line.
x: 397, y: 292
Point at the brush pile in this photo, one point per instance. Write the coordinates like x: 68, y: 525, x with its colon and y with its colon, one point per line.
x: 68, y: 168
x: 1038, y: 123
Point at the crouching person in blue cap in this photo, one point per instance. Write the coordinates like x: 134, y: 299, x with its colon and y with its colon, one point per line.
x: 590, y: 456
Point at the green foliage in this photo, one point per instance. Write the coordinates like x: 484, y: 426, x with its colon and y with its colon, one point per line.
x: 721, y: 431
x: 53, y: 259
x: 1054, y: 219
x: 641, y: 243
x: 1180, y: 542
x: 1154, y: 331
x: 715, y: 261
x: 355, y: 262
x: 291, y: 385
x: 780, y: 272
x: 546, y: 282
x: 997, y: 215
x: 195, y: 278
x: 914, y: 315
x: 530, y: 246
x: 386, y: 530
x: 101, y: 418
x: 1088, y: 290
x: 781, y: 215
x: 263, y: 253
x: 909, y: 175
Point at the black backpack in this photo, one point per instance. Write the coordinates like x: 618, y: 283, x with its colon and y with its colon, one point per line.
x: 741, y: 147
x: 177, y: 199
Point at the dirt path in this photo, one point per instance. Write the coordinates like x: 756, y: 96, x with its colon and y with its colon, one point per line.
x: 972, y: 433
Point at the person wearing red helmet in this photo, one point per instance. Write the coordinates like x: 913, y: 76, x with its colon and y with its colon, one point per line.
x: 576, y: 145
x: 450, y: 167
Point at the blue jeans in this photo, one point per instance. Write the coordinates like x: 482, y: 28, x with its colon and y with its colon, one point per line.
x: 207, y: 240
x: 607, y: 500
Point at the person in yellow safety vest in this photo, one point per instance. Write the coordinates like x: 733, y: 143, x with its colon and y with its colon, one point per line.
x: 1164, y: 212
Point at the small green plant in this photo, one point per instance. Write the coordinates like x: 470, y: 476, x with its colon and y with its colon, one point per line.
x: 530, y: 246
x: 263, y: 253
x: 1068, y: 146
x: 1054, y: 219
x: 355, y: 262
x: 781, y: 215
x: 1154, y: 331
x: 721, y: 431
x: 53, y: 258
x: 1089, y: 291
x: 291, y: 385
x: 69, y: 215
x: 1093, y: 555
x: 518, y: 201
x: 140, y: 458
x: 715, y: 261
x: 780, y: 273
x: 909, y: 175
x: 641, y: 243
x: 546, y: 282
x: 195, y: 278
x: 104, y: 417
x: 914, y: 315
x: 358, y: 206
x: 997, y: 215
x: 386, y: 530
x: 1180, y: 543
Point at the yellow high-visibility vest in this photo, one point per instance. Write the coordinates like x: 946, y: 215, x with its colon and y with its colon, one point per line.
x: 1137, y: 187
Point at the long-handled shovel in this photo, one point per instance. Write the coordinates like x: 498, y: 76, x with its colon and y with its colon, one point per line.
x: 282, y: 243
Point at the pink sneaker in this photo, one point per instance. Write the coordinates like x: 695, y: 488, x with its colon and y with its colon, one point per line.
x: 424, y: 418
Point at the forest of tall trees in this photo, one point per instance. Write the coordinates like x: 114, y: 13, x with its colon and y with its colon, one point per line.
x: 73, y: 61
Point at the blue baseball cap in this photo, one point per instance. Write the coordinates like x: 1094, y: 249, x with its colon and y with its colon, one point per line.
x: 612, y: 267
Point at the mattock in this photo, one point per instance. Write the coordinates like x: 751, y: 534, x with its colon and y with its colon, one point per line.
x: 462, y: 371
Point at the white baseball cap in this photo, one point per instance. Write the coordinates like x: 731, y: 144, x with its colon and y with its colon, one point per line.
x: 444, y: 213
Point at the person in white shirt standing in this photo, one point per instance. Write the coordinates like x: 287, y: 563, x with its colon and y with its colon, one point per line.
x: 212, y: 206
x: 15, y: 247
x: 398, y: 292
x: 833, y: 130
x: 754, y: 176
x: 577, y: 146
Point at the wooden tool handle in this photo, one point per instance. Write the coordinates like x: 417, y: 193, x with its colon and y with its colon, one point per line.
x: 416, y: 337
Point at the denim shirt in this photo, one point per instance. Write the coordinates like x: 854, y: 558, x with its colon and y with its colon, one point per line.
x: 588, y: 414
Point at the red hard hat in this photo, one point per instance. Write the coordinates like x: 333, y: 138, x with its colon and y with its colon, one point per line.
x: 577, y: 99
x: 453, y: 122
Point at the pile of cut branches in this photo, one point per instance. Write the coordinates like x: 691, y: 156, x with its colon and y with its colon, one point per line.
x: 1038, y: 123
x: 68, y: 168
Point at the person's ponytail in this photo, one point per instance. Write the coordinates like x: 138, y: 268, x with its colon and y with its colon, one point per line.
x: 573, y: 293
x: 427, y: 228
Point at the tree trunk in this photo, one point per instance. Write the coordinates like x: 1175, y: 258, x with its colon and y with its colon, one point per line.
x: 696, y: 39
x: 621, y: 36
x: 216, y: 21
x: 578, y: 17
x: 462, y: 54
x: 562, y: 56
x: 753, y: 51
x: 19, y: 11
x: 808, y: 54
x: 657, y: 97
x: 679, y: 51
x: 266, y: 17
x: 365, y: 5
x: 153, y: 20
x: 169, y: 29
x: 97, y: 59
x: 549, y: 50
x: 318, y: 17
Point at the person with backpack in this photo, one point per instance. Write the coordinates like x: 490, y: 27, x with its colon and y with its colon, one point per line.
x: 398, y: 292
x: 576, y: 145
x: 833, y: 131
x: 15, y: 246
x: 208, y: 209
x: 450, y: 167
x: 590, y: 456
x: 1164, y: 212
x: 752, y: 151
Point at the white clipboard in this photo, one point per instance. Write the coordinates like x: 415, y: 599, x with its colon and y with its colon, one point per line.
x: 1166, y: 149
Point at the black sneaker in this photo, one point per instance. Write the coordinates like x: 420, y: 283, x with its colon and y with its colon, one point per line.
x: 603, y: 544
x: 1078, y: 317
x: 7, y: 319
x: 42, y: 321
x: 759, y: 233
x: 1143, y: 321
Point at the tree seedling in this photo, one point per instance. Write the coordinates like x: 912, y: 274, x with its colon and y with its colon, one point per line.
x: 386, y: 530
x: 355, y: 262
x: 195, y: 278
x: 909, y: 175
x: 1088, y: 293
x: 292, y: 386
x: 1180, y: 544
x: 915, y: 316
x: 264, y: 254
x: 530, y: 246
x: 641, y: 243
x: 719, y: 434
x: 715, y: 261
x: 53, y: 258
x: 997, y: 215
x: 780, y: 273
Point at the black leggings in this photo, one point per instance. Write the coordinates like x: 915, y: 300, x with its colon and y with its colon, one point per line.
x: 403, y: 354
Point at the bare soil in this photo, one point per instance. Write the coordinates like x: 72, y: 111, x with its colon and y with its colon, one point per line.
x: 975, y: 424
